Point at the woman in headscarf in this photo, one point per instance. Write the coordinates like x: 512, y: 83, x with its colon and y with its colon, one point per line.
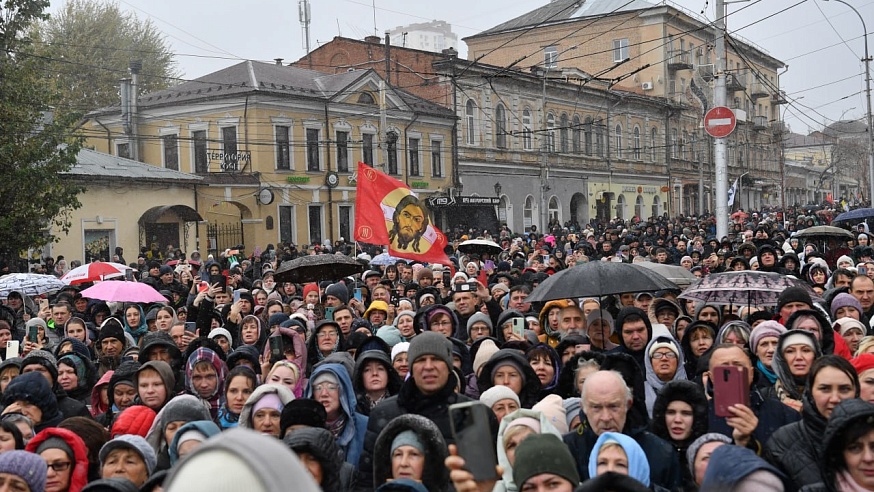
x: 205, y: 374
x: 135, y: 321
x: 240, y: 384
x: 663, y: 362
x: 514, y: 428
x: 547, y: 365
x: 796, y: 351
x: 510, y: 368
x: 330, y: 385
x: 263, y: 409
x: 618, y: 453
x: 325, y: 340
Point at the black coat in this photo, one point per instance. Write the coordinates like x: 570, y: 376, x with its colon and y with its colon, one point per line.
x: 796, y: 448
x: 434, y: 407
x: 530, y: 393
x: 772, y: 415
x: 847, y: 414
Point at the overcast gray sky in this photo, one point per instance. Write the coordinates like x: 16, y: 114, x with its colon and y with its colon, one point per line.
x: 821, y: 41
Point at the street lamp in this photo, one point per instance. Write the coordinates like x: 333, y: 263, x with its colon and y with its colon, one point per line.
x: 867, y: 61
x: 498, y: 189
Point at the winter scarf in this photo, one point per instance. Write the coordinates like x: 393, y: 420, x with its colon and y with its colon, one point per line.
x: 215, y: 400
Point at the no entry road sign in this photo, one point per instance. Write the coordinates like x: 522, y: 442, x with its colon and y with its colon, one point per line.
x: 719, y: 122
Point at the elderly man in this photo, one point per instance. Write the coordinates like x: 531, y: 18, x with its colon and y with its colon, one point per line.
x: 606, y: 400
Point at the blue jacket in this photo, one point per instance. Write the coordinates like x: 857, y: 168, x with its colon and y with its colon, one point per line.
x: 351, y: 439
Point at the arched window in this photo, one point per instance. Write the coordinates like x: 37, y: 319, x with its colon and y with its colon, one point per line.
x: 587, y: 130
x: 563, y: 133
x: 500, y: 127
x: 550, y: 132
x: 575, y: 138
x: 637, y: 142
x: 618, y: 139
x: 366, y: 98
x: 470, y: 115
x: 554, y: 210
x: 528, y: 212
x: 526, y: 129
x: 599, y: 137
x: 654, y: 144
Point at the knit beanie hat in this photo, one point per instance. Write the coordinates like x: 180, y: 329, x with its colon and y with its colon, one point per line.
x: 277, y: 319
x: 497, y: 393
x: 111, y: 328
x: 571, y: 409
x: 390, y: 335
x: 431, y: 343
x: 135, y: 420
x: 222, y: 332
x: 763, y: 330
x: 38, y: 322
x: 303, y: 411
x: 43, y: 358
x: 56, y: 442
x: 339, y: 291
x: 692, y: 452
x: 845, y: 300
x: 480, y: 317
x: 544, y: 453
x: 552, y: 408
x: 407, y: 438
x: 508, y: 362
x: 32, y: 387
x: 136, y: 443
x: 310, y: 288
x: 405, y: 312
x: 845, y: 258
x: 601, y: 314
x: 269, y: 400
x: 185, y: 408
x: 845, y: 324
x: 28, y: 466
x: 486, y: 350
x: 322, y: 377
x: 794, y: 294
x: 664, y: 342
x: 398, y: 349
x: 113, y: 485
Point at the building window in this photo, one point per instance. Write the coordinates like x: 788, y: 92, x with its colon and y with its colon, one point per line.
x: 313, y: 162
x: 618, y: 137
x: 367, y: 148
x: 654, y: 144
x: 587, y: 134
x: 528, y: 212
x: 286, y: 224
x: 636, y: 136
x: 599, y: 137
x: 171, y: 151
x: 620, y: 49
x: 470, y: 114
x: 201, y: 163
x: 283, y: 147
x: 437, y: 158
x: 392, y: 145
x: 563, y: 133
x: 500, y: 127
x: 413, y: 150
x: 342, y: 152
x: 229, y: 148
x: 674, y: 144
x: 345, y: 213
x: 366, y: 98
x: 526, y: 130
x: 576, y: 137
x: 550, y: 133
x: 123, y: 150
x: 683, y: 144
x: 315, y: 222
x: 550, y: 57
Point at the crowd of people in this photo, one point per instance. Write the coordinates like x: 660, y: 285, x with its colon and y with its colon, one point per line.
x: 243, y: 381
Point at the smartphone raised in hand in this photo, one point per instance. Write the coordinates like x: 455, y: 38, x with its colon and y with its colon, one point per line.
x: 730, y: 387
x: 469, y: 422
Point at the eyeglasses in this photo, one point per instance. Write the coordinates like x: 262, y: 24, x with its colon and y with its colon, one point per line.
x: 327, y: 334
x: 664, y: 355
x: 445, y: 322
x: 330, y: 387
x: 59, y: 466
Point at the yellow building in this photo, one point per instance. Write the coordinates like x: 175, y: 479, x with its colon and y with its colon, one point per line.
x: 276, y: 149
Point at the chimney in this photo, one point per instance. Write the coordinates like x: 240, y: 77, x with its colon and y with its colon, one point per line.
x: 372, y: 39
x: 278, y: 61
x: 450, y: 52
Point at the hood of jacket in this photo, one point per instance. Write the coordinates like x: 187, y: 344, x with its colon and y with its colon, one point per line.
x: 731, y: 464
x: 394, y: 380
x: 653, y: 384
x: 205, y: 427
x: 435, y: 476
x: 79, y: 475
x: 530, y: 387
x: 658, y: 304
x: 792, y: 385
x: 546, y: 427
x: 165, y: 371
x: 544, y: 317
x: 321, y: 444
x: 555, y: 362
x: 285, y: 396
x: 638, y: 464
x: 688, y: 392
x: 827, y: 338
x: 567, y: 384
x: 620, y: 320
x: 845, y: 415
x: 97, y: 406
x: 461, y: 349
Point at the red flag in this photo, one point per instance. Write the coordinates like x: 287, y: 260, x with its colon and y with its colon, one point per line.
x: 388, y: 213
x: 829, y: 199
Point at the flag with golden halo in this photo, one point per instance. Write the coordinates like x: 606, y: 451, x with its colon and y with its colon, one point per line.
x: 387, y: 212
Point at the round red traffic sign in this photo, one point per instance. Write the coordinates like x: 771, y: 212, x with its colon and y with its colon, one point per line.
x: 719, y: 122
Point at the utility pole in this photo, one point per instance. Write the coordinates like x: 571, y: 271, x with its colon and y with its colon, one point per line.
x: 135, y: 67
x: 719, y: 144
x: 544, y: 157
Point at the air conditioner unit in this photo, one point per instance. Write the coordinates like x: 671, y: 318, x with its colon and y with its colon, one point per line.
x: 647, y: 86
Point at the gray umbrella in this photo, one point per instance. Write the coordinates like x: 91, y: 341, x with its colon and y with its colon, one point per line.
x: 29, y: 284
x: 599, y: 278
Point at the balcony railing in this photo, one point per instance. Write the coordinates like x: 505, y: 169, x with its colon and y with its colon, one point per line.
x: 679, y: 60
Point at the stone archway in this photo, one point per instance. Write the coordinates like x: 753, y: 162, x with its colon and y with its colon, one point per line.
x: 580, y: 209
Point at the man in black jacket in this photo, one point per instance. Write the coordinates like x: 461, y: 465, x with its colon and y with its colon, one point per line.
x: 428, y: 392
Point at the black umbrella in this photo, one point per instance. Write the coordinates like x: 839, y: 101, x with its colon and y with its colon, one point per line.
x: 315, y: 268
x: 480, y: 247
x: 599, y: 278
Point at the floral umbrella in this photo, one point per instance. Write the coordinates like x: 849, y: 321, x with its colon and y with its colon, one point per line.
x: 747, y: 287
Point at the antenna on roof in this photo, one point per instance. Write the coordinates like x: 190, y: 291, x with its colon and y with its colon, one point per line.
x: 303, y: 7
x: 375, y: 32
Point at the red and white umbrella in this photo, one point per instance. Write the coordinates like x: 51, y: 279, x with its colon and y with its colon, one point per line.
x: 92, y: 272
x: 123, y: 291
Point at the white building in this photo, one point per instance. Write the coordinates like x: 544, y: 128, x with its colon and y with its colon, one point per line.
x: 433, y: 36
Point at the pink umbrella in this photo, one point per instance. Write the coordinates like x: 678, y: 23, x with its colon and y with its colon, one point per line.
x: 92, y: 272
x: 123, y: 291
